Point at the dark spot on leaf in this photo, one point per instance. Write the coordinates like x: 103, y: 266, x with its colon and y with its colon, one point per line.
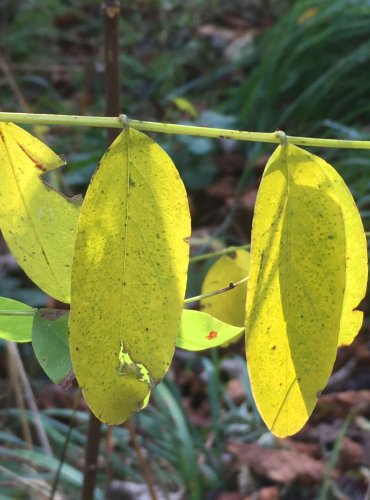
x: 212, y: 335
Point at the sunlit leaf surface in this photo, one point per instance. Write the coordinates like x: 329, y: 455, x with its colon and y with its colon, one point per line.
x: 308, y: 274
x: 38, y: 224
x: 129, y: 276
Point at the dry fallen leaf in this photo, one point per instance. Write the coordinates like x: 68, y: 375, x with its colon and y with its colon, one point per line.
x: 338, y: 404
x: 281, y: 466
x: 236, y: 391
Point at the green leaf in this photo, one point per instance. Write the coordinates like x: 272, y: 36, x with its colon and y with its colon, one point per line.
x: 200, y: 331
x: 15, y: 328
x: 50, y: 343
x: 129, y: 276
x: 308, y: 274
x: 68, y: 473
x: 38, y: 224
x: 228, y: 307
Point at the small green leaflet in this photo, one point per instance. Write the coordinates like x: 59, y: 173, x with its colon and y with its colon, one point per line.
x: 15, y: 328
x: 129, y: 276
x: 38, y: 224
x: 50, y: 343
x: 200, y: 331
x: 308, y: 275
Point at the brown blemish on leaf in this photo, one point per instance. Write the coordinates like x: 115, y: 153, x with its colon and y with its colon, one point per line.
x: 53, y: 314
x: 212, y: 335
x: 37, y: 164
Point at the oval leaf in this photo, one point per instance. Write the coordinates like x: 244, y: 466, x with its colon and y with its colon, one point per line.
x: 129, y: 276
x: 15, y: 328
x: 308, y: 274
x: 228, y: 307
x: 50, y: 343
x: 38, y: 224
x: 200, y: 331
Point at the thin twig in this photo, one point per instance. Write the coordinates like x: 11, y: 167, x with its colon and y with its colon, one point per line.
x: 227, y: 288
x: 143, y: 463
x: 28, y: 393
x: 63, y: 455
x: 218, y: 253
x: 14, y: 380
x: 12, y: 82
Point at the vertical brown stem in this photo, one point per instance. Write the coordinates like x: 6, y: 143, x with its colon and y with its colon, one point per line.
x: 111, y: 12
x: 142, y: 460
x: 111, y: 15
x: 91, y: 457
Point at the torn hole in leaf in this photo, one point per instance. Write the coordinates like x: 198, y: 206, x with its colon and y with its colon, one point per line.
x: 128, y: 367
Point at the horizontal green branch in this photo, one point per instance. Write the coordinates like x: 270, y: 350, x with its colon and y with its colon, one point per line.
x: 169, y: 128
x: 218, y: 253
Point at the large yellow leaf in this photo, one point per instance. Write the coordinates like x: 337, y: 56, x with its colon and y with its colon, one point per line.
x: 228, y: 307
x: 38, y: 224
x: 129, y: 276
x: 308, y: 273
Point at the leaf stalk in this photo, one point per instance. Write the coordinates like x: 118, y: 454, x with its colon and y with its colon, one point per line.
x: 230, y: 286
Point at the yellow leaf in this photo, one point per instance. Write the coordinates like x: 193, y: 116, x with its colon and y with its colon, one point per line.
x: 228, y: 307
x: 185, y: 105
x: 129, y: 276
x: 308, y: 14
x: 308, y: 273
x: 38, y: 224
